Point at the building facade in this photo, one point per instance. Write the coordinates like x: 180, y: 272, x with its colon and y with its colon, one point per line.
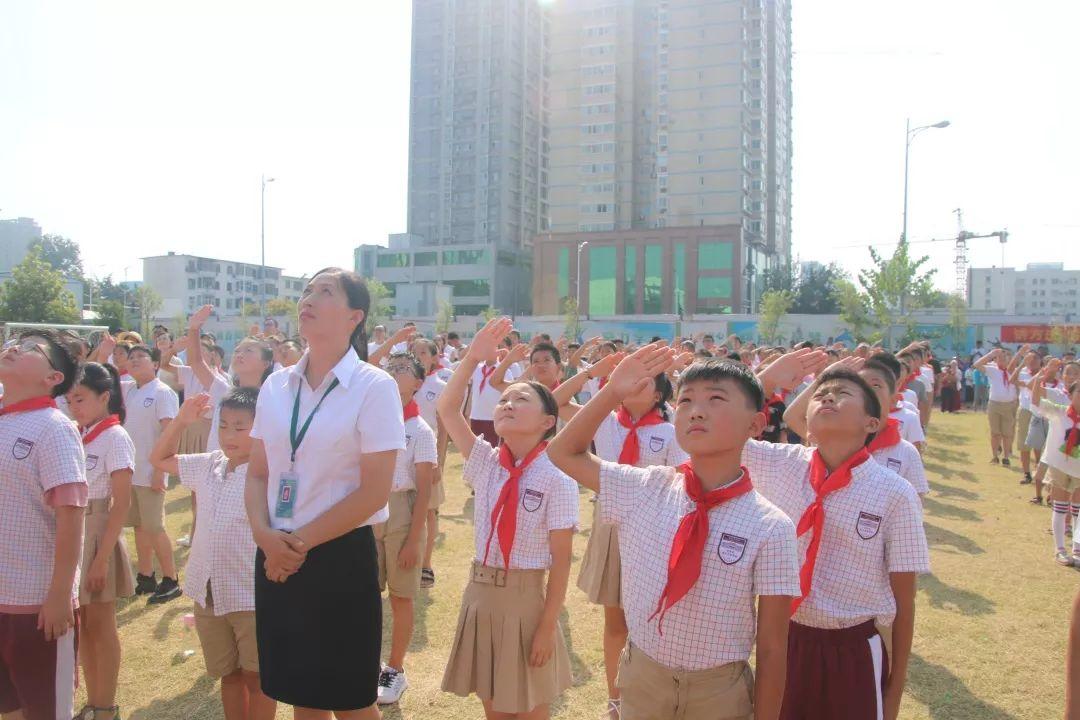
x: 187, y: 282
x: 662, y: 271
x: 16, y: 235
x: 1041, y: 289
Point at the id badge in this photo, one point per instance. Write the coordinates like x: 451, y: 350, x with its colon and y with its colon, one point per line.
x: 286, y: 499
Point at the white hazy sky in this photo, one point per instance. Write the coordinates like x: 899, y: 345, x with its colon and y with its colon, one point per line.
x: 141, y: 127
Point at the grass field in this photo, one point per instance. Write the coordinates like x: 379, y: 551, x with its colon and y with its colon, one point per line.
x: 989, y: 640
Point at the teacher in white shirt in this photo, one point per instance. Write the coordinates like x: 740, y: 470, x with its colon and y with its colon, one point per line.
x: 326, y: 431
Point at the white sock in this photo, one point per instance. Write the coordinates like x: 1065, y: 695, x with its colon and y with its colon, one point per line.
x: 1058, y: 524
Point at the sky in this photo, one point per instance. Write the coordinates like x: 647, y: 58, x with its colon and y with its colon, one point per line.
x: 136, y: 128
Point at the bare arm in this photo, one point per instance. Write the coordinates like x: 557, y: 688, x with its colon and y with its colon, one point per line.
x: 985, y: 360
x: 409, y: 554
x: 1072, y: 665
x: 543, y: 642
x: 56, y: 616
x: 196, y: 359
x: 403, y: 335
x: 282, y: 550
x: 498, y: 377
x: 163, y: 454
x: 377, y: 469
x: 157, y: 477
x: 795, y: 415
x: 772, y: 631
x: 903, y: 628
x: 120, y: 483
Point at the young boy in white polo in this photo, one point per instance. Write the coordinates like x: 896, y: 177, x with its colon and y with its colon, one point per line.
x: 220, y: 576
x: 42, y: 498
x: 400, y: 540
x: 151, y: 405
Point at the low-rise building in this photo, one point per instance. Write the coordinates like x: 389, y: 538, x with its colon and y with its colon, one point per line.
x: 1041, y: 289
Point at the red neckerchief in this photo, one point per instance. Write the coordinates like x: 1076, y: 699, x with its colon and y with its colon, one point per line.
x: 557, y: 383
x: 1004, y: 374
x: 411, y: 410
x: 775, y: 399
x: 37, y: 403
x: 485, y: 372
x: 124, y: 373
x: 631, y: 447
x: 603, y: 382
x: 887, y: 437
x: 504, y: 514
x: 1072, y: 438
x: 824, y: 483
x: 102, y: 426
x: 688, y: 545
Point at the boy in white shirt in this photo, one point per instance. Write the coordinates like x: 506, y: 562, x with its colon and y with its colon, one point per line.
x: 400, y: 540
x: 151, y: 405
x: 219, y: 575
x: 1001, y: 410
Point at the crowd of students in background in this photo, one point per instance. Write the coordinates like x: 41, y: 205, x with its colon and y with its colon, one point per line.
x: 746, y: 499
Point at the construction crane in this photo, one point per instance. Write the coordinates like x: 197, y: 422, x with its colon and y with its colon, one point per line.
x: 960, y: 258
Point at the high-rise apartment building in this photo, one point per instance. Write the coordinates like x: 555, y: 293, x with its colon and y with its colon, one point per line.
x: 672, y: 113
x: 476, y: 148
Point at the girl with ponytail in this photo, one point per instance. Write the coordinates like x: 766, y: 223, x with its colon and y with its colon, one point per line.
x: 97, y: 405
x: 325, y: 440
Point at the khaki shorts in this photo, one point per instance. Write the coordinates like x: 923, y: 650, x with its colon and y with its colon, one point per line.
x: 1002, y: 417
x: 651, y: 691
x: 228, y: 641
x: 1023, y: 424
x: 390, y: 537
x: 147, y: 509
x: 1061, y: 481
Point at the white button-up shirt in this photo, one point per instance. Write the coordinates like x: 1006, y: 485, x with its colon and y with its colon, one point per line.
x: 146, y: 407
x: 110, y: 451
x: 657, y: 443
x: 223, y: 550
x: 362, y: 415
x: 419, y: 448
x: 904, y: 459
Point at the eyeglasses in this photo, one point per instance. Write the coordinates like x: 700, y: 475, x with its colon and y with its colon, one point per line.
x: 400, y: 369
x: 28, y: 346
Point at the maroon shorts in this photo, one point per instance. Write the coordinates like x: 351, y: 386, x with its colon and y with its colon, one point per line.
x: 834, y: 674
x: 36, y: 676
x: 486, y: 430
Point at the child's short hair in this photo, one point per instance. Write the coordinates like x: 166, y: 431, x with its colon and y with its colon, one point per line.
x: 150, y: 352
x: 871, y: 404
x: 715, y: 369
x: 60, y: 357
x: 888, y: 370
x: 548, y: 348
x: 609, y: 346
x: 241, y: 398
x: 452, y: 336
x: 417, y: 367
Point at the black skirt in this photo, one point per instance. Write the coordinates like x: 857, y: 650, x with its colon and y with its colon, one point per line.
x: 320, y: 632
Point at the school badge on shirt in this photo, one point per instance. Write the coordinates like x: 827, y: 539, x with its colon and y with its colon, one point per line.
x: 868, y: 525
x: 148, y: 402
x: 430, y: 395
x: 91, y: 462
x: 21, y: 449
x: 731, y: 548
x: 893, y: 464
x: 531, y: 500
x: 656, y: 444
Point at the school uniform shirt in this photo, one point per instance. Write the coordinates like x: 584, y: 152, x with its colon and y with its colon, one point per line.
x: 873, y: 527
x: 1024, y: 377
x: 910, y: 425
x: 548, y: 500
x: 1000, y: 390
x: 188, y: 380
x: 926, y: 373
x: 1053, y: 454
x: 427, y: 397
x: 904, y: 460
x: 657, y: 443
x: 750, y: 552
x: 223, y: 550
x: 361, y: 416
x: 911, y: 398
x: 419, y: 448
x: 110, y: 451
x: 219, y: 388
x: 41, y: 463
x: 1055, y: 394
x: 146, y: 407
x: 482, y: 404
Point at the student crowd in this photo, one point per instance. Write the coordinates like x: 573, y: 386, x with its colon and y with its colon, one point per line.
x: 747, y: 500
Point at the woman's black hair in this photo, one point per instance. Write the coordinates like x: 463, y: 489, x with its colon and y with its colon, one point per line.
x: 548, y: 404
x: 102, y: 378
x: 662, y: 385
x: 266, y: 354
x: 358, y: 298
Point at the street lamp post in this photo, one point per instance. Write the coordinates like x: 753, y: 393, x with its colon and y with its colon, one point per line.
x: 908, y: 137
x: 581, y: 246
x: 262, y: 247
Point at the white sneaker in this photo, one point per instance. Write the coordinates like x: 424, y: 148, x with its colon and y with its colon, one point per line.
x: 392, y: 685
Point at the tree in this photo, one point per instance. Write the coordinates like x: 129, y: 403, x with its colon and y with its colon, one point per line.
x: 958, y: 322
x: 36, y: 293
x: 111, y: 313
x: 780, y: 277
x: 772, y: 308
x: 1065, y: 336
x: 379, y: 312
x: 149, y: 303
x: 281, y: 307
x: 854, y: 309
x: 815, y: 290
x: 444, y: 316
x: 490, y: 313
x: 573, y: 318
x: 897, y: 285
x: 60, y: 253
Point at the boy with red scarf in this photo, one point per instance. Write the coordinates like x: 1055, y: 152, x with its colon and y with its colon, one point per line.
x: 42, y: 498
x: 698, y: 544
x: 860, y: 532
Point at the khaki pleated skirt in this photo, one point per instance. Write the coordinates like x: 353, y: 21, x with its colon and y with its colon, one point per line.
x: 490, y: 656
x: 438, y: 495
x: 194, y: 436
x: 119, y: 579
x: 600, y: 577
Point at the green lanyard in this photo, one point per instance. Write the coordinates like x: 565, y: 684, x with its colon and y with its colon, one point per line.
x: 295, y: 438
